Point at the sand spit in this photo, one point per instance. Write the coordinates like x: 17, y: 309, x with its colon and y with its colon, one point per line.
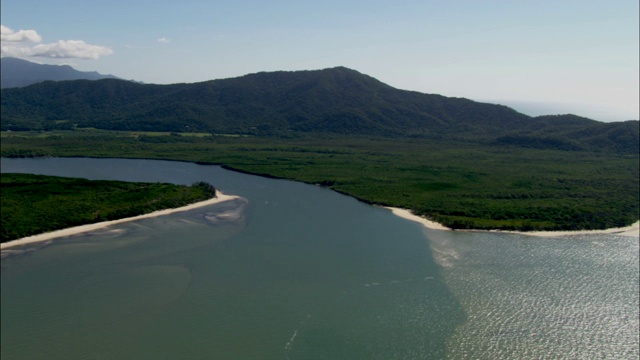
x: 90, y: 227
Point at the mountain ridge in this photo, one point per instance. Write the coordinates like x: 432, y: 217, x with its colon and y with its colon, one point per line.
x: 335, y: 100
x: 19, y: 73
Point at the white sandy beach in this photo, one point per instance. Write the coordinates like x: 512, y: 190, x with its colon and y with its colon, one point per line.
x: 90, y: 227
x: 632, y: 230
x: 406, y: 214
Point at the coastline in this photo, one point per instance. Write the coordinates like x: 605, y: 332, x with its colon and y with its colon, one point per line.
x: 90, y: 227
x: 631, y: 230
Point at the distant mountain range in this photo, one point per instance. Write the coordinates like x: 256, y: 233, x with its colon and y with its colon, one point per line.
x: 337, y: 101
x: 17, y: 73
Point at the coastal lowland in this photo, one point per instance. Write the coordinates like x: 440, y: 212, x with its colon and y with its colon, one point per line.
x: 460, y: 163
x: 459, y: 185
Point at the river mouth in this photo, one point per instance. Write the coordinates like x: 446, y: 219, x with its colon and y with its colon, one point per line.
x: 298, y: 271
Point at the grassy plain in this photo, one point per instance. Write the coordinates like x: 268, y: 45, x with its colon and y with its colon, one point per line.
x: 33, y: 204
x: 460, y: 184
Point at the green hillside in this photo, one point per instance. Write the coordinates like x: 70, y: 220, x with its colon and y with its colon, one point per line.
x: 460, y: 162
x: 330, y: 101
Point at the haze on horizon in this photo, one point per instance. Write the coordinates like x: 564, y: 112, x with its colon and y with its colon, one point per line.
x: 539, y: 57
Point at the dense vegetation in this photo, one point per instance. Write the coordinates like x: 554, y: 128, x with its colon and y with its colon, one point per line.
x: 33, y: 204
x: 286, y: 104
x: 463, y: 163
x: 458, y: 183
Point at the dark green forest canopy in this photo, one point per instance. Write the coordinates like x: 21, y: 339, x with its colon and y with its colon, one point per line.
x: 33, y: 204
x: 458, y: 183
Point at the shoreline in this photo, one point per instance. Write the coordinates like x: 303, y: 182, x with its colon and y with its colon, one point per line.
x: 94, y: 226
x: 631, y: 230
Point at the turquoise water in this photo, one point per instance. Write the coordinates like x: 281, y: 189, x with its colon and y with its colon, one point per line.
x: 294, y: 271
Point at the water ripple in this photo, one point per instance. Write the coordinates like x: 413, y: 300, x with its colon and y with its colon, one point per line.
x: 562, y: 298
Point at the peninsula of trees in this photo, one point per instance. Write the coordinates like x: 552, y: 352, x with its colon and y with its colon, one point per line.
x: 34, y: 204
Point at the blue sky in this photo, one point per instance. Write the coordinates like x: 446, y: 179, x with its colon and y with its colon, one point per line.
x: 537, y: 56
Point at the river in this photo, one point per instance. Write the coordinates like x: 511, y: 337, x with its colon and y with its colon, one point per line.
x: 295, y: 271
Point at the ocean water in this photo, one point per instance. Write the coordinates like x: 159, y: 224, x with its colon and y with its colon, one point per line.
x: 573, y: 297
x: 293, y: 271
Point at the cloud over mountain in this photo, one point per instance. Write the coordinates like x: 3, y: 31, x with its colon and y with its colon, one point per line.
x: 8, y: 34
x: 19, y: 44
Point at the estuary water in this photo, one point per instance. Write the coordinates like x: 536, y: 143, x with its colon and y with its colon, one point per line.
x: 294, y: 271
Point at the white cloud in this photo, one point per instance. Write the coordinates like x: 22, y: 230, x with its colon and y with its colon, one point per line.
x: 15, y: 43
x: 8, y: 34
x: 164, y: 40
x: 70, y: 49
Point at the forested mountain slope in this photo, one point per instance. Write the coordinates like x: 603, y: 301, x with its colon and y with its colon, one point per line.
x: 336, y: 100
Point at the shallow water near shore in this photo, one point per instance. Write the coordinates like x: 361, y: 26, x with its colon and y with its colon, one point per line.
x: 300, y: 272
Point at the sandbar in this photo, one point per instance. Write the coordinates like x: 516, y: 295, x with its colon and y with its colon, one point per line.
x: 90, y: 227
x: 632, y: 230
